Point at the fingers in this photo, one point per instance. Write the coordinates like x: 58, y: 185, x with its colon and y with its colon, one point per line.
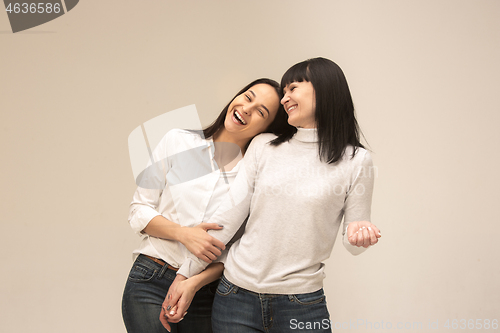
x: 372, y: 236
x: 376, y: 230
x: 214, y: 241
x: 218, y: 244
x: 203, y: 255
x: 172, y: 316
x: 172, y: 312
x: 366, y: 237
x: 367, y: 234
x: 351, y: 230
x: 164, y: 321
x: 209, y: 226
x: 208, y: 254
x: 209, y: 257
x: 180, y: 310
x: 212, y: 251
x: 360, y: 237
x: 357, y: 236
x: 177, y: 316
x: 200, y: 243
x: 205, y: 259
x: 170, y: 303
x: 353, y: 239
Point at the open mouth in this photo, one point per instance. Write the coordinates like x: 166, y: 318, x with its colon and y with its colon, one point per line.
x: 291, y: 108
x: 239, y: 118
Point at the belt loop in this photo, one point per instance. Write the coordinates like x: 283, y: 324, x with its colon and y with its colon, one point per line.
x: 162, y: 271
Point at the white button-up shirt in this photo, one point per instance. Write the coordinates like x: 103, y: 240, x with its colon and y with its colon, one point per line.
x: 182, y: 183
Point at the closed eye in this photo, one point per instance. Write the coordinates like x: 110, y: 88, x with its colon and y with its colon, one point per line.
x: 289, y: 89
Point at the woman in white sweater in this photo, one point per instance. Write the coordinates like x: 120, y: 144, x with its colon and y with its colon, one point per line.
x: 297, y: 188
x: 189, y: 175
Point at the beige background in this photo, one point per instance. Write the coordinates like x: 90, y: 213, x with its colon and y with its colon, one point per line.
x: 425, y: 80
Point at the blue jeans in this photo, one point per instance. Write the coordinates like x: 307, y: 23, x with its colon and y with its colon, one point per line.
x: 144, y: 293
x: 237, y: 310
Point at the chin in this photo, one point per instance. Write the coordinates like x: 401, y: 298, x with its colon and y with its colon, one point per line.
x: 293, y: 122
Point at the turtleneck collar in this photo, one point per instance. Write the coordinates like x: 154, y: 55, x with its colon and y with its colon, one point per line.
x: 306, y: 135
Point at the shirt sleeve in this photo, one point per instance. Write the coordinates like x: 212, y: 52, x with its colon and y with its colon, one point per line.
x: 222, y: 258
x: 151, y: 183
x: 234, y: 209
x: 357, y: 205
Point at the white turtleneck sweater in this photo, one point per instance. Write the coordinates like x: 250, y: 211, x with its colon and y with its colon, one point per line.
x: 295, y: 205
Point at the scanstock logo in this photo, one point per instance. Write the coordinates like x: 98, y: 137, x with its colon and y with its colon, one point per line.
x: 28, y: 14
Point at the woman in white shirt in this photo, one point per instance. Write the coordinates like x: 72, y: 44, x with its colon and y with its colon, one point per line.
x: 188, y: 177
x: 298, y: 187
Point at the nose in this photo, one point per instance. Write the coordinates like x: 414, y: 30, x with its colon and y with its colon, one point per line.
x: 284, y: 99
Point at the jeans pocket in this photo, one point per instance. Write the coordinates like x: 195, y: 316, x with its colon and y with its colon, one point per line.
x: 309, y: 298
x: 141, y: 273
x: 225, y: 287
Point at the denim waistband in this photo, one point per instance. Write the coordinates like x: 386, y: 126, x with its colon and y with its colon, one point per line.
x: 143, y: 259
x: 262, y: 295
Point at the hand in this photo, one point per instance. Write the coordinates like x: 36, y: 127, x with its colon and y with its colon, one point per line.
x: 164, y: 321
x: 179, y: 298
x: 200, y: 243
x: 363, y: 233
x: 164, y: 308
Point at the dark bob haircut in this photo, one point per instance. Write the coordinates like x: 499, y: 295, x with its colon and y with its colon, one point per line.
x: 335, y: 119
x: 279, y: 126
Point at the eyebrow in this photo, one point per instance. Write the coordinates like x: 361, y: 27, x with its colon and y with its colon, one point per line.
x: 261, y: 104
x: 287, y: 86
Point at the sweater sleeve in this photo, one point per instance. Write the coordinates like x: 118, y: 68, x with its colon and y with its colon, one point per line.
x: 150, y: 185
x: 233, y: 211
x: 357, y: 205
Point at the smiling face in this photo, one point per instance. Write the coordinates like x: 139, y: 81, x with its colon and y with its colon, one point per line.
x: 299, y: 101
x: 251, y: 112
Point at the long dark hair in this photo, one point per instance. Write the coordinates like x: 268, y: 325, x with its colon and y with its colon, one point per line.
x: 335, y: 118
x: 279, y: 126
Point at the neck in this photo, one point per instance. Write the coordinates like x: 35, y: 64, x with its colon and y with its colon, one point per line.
x: 228, y: 150
x: 306, y: 134
x: 225, y: 136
